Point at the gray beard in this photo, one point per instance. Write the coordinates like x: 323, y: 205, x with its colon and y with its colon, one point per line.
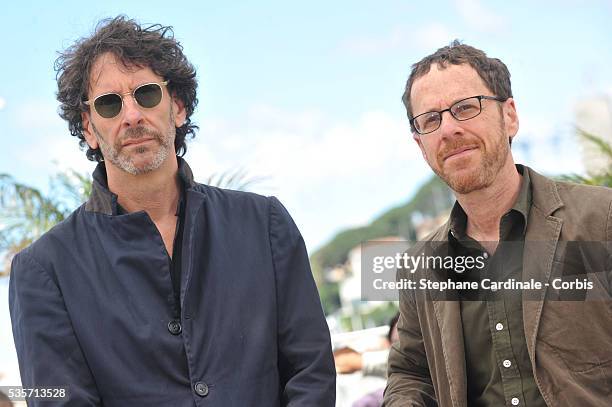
x: 115, y: 155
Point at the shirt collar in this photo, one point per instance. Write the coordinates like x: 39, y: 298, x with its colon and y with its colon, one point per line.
x: 103, y: 200
x: 522, y: 205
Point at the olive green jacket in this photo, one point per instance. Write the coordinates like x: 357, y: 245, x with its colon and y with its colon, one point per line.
x: 569, y: 342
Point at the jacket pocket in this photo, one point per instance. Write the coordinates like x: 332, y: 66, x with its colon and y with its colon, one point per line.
x: 578, y: 332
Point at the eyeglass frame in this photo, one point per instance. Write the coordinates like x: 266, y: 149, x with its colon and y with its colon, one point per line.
x: 479, y: 97
x: 92, y: 102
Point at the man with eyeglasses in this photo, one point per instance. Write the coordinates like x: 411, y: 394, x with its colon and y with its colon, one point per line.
x: 502, y: 348
x: 160, y: 291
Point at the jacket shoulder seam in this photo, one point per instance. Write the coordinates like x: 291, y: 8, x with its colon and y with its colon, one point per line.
x: 31, y: 259
x: 270, y: 202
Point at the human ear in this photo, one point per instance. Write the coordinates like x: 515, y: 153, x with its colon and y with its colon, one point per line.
x: 511, y: 121
x: 180, y: 113
x: 88, y: 132
x: 417, y: 138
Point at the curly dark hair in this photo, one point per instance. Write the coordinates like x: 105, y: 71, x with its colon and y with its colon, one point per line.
x: 152, y: 46
x: 493, y: 71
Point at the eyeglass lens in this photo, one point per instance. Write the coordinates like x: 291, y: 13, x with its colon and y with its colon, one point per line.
x: 147, y: 96
x: 462, y: 110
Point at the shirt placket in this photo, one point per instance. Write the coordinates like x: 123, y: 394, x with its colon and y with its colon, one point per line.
x: 505, y: 357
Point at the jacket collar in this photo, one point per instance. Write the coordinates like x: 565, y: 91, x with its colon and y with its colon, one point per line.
x: 544, y: 196
x: 102, y: 200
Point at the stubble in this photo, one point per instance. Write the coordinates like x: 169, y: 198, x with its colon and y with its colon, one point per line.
x: 127, y: 159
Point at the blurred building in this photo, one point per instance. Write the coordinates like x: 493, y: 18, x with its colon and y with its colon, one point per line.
x: 349, y: 281
x: 429, y: 224
x: 348, y: 275
x: 594, y: 115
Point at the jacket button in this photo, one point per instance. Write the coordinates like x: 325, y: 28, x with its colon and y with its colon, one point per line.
x: 174, y: 327
x: 201, y: 389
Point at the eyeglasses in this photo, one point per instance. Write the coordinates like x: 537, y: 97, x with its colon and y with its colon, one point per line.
x: 109, y: 105
x: 464, y: 109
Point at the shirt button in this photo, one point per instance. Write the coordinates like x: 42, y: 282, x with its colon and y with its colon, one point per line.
x: 515, y: 401
x: 507, y: 363
x: 201, y: 389
x: 499, y: 326
x: 174, y: 327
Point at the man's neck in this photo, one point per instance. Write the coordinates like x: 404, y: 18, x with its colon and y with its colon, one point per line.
x: 484, y: 208
x: 156, y: 192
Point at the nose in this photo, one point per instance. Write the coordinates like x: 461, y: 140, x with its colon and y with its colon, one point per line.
x: 449, y: 126
x: 132, y: 113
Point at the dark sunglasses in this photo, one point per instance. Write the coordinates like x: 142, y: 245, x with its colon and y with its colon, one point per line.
x: 109, y: 105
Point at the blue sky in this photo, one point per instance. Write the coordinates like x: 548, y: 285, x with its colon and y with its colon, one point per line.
x: 307, y: 94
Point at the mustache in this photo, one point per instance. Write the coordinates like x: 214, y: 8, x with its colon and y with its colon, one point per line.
x: 455, y: 144
x: 136, y: 133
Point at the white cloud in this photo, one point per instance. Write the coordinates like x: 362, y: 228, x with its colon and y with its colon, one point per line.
x: 434, y: 36
x: 431, y: 35
x: 548, y: 145
x: 329, y: 173
x: 307, y: 147
x: 2, y: 103
x: 36, y: 115
x: 425, y: 37
x: 477, y: 16
x: 50, y: 146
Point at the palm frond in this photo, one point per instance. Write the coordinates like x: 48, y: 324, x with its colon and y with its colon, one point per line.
x: 604, y: 147
x: 603, y: 177
x: 237, y: 179
x: 26, y: 213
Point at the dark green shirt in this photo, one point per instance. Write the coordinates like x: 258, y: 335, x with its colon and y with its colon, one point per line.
x: 498, y: 368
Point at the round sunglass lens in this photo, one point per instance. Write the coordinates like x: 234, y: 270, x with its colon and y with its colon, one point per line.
x: 108, y: 106
x: 148, y: 95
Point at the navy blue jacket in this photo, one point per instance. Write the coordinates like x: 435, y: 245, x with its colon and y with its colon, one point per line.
x: 92, y: 302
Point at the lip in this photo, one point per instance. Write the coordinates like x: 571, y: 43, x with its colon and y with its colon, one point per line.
x: 134, y: 142
x: 460, y: 152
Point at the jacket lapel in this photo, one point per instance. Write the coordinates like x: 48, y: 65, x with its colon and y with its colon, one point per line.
x: 545, y: 229
x: 448, y: 316
x: 193, y: 234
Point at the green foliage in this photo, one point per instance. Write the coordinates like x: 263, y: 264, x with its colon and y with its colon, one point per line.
x: 378, y: 316
x: 382, y: 314
x: 433, y: 197
x: 26, y: 213
x: 330, y: 297
x: 238, y: 180
x: 602, y: 178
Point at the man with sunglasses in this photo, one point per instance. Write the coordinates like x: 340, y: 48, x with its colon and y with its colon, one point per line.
x: 160, y: 291
x: 499, y: 348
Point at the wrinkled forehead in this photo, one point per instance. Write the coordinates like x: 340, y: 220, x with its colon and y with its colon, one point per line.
x: 444, y: 85
x: 108, y: 68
